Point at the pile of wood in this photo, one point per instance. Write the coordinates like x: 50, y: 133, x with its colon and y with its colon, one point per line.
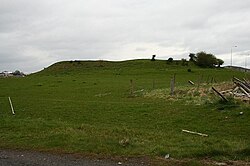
x: 240, y: 90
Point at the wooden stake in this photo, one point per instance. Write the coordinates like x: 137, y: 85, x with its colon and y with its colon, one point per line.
x: 11, y: 106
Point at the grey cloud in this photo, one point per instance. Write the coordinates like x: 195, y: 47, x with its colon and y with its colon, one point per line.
x: 39, y: 33
x: 140, y: 49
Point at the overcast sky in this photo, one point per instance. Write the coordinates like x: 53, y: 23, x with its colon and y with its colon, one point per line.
x: 37, y: 33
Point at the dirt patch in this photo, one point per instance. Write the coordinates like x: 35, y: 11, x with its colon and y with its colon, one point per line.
x: 19, y: 157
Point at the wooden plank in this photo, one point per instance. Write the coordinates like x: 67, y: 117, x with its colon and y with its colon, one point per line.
x: 11, y: 106
x: 243, y: 90
x: 192, y: 132
x: 226, y: 91
x: 239, y: 84
x: 190, y: 82
x: 242, y: 82
x: 246, y: 83
x: 220, y: 94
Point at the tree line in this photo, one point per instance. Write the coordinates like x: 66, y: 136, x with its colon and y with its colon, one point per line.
x: 201, y: 59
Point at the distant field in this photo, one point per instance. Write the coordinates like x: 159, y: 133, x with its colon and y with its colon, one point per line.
x: 91, y: 107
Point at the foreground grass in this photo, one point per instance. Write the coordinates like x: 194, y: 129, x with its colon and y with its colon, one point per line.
x: 86, y: 107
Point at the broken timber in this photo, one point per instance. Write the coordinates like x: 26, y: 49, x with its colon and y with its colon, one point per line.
x: 190, y: 82
x: 220, y: 94
x: 243, y: 86
x: 11, y: 106
x: 246, y: 82
x: 192, y: 132
x: 243, y: 90
x: 242, y: 83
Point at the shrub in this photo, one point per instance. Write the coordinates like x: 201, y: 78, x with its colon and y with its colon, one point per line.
x: 206, y: 60
x: 184, y: 62
x: 153, y: 57
x: 170, y: 59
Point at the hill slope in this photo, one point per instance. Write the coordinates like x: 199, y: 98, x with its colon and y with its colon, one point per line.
x: 94, y: 107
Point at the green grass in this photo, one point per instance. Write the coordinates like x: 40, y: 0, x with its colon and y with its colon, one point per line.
x: 86, y: 107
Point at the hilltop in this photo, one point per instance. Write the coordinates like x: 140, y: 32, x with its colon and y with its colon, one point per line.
x: 146, y: 64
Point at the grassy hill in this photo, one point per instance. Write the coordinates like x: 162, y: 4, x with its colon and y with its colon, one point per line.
x: 92, y: 107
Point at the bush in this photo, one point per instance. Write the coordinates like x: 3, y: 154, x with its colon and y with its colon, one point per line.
x: 184, y: 62
x: 170, y: 60
x: 206, y: 60
x: 153, y: 57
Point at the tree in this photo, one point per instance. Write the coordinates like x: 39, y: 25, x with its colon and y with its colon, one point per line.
x: 17, y: 72
x: 206, y: 60
x: 184, y: 62
x: 153, y: 57
x: 192, y: 57
x: 220, y: 62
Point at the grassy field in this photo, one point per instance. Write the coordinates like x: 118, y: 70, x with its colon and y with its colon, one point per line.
x: 87, y: 107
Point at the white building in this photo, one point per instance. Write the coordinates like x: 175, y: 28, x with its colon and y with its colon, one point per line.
x: 6, y: 74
